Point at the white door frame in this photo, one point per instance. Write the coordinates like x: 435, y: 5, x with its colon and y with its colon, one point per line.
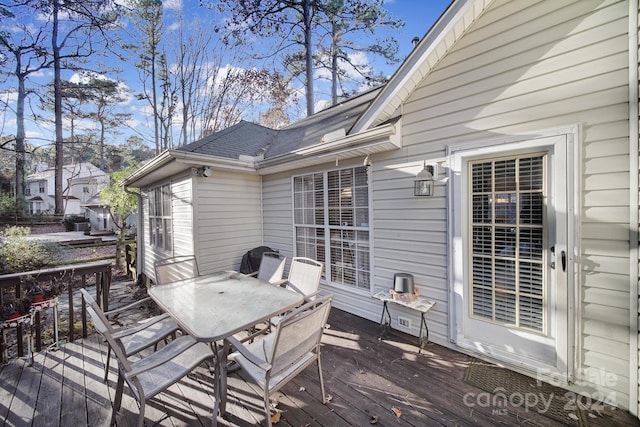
x: 567, y: 340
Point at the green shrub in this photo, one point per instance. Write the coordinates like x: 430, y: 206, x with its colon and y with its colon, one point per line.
x: 10, y: 206
x: 18, y: 254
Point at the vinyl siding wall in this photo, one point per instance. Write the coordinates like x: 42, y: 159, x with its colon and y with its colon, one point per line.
x: 182, y: 214
x: 524, y: 67
x: 228, y: 219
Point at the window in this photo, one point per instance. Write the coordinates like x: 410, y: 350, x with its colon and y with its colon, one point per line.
x: 507, y: 223
x: 35, y: 208
x: 41, y: 187
x: 334, y: 205
x: 160, y: 231
x: 27, y: 190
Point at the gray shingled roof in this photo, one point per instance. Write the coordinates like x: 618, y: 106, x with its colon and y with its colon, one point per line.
x: 250, y: 139
x: 243, y: 138
x: 309, y: 131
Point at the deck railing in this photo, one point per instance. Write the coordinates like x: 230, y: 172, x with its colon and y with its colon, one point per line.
x: 65, y: 278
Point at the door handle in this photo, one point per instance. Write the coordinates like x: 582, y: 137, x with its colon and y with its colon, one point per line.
x: 563, y: 258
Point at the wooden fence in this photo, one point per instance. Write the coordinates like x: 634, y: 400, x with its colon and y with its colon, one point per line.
x: 62, y: 277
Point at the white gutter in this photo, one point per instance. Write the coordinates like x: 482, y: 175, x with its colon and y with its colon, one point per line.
x: 381, y: 138
x: 634, y: 134
x: 244, y: 165
x: 162, y: 159
x: 188, y: 159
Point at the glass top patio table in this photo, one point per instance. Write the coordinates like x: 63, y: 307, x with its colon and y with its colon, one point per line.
x: 214, y: 306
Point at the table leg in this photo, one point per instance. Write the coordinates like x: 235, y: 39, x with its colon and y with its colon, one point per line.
x: 216, y: 385
x: 220, y: 381
x: 55, y: 326
x: 385, y: 310
x: 223, y: 378
x: 421, y: 341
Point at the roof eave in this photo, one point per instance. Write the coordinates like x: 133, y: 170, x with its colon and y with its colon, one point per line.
x: 380, y: 139
x: 173, y: 162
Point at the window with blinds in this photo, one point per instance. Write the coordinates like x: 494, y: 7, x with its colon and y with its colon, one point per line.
x: 507, y: 238
x: 331, y: 219
x: 160, y: 225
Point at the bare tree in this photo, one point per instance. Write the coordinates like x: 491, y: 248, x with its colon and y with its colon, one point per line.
x: 293, y: 22
x: 23, y: 48
x: 147, y: 18
x: 341, y: 21
x: 96, y: 99
x: 74, y: 25
x: 209, y: 93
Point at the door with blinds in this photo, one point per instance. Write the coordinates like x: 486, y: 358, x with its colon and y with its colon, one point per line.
x: 511, y: 278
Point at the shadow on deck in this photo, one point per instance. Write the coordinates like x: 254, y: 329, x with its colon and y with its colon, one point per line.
x: 370, y: 379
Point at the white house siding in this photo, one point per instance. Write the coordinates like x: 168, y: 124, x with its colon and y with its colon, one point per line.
x: 637, y: 124
x: 228, y: 219
x: 182, y: 211
x: 278, y: 219
x: 525, y: 67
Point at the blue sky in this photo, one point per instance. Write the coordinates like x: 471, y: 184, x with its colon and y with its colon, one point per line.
x: 418, y: 15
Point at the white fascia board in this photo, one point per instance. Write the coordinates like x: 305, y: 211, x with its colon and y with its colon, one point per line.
x: 380, y: 139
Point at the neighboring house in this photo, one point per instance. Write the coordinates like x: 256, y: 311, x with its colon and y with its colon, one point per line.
x: 80, y: 183
x: 100, y: 218
x: 529, y: 245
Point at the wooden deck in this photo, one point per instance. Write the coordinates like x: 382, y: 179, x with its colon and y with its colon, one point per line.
x: 367, y: 378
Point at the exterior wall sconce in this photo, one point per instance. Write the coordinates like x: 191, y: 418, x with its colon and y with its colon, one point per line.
x: 424, y: 182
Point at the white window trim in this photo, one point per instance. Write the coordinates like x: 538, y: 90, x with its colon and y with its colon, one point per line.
x: 327, y: 249
x: 163, y: 217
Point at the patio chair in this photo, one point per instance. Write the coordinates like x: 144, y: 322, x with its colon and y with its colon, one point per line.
x: 167, y: 270
x: 304, y: 278
x: 137, y: 338
x: 176, y: 268
x: 271, y: 268
x: 294, y: 345
x: 151, y: 374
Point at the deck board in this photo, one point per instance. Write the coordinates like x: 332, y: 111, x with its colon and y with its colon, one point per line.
x: 367, y: 372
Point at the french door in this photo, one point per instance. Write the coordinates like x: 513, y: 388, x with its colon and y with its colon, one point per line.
x: 511, y: 252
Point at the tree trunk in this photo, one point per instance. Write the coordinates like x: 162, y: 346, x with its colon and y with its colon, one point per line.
x: 334, y: 63
x: 20, y: 179
x: 59, y: 208
x: 306, y: 9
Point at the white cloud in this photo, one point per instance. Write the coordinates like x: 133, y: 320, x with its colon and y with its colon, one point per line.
x: 175, y: 5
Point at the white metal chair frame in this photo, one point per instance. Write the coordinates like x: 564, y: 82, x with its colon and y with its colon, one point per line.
x: 304, y: 276
x: 294, y: 345
x: 157, y: 328
x: 152, y: 374
x: 271, y: 268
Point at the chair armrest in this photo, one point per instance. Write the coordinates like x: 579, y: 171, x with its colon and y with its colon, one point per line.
x: 125, y: 331
x: 165, y: 354
x: 244, y: 351
x: 281, y: 282
x: 127, y: 307
x: 311, y: 296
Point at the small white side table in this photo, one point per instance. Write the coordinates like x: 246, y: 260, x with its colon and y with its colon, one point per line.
x: 421, y: 304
